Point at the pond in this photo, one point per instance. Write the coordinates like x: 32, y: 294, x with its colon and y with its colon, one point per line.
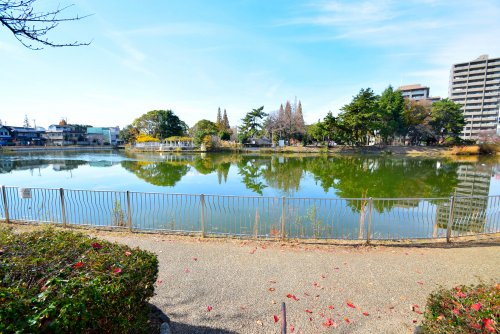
x: 318, y: 176
x: 255, y: 194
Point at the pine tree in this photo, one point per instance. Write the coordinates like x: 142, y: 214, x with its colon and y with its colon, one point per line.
x: 225, y: 121
x: 288, y: 120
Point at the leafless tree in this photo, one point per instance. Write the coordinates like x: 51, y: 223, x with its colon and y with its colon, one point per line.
x: 30, y: 26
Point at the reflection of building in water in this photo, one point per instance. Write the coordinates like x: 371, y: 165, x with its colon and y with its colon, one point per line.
x: 469, y: 213
x: 101, y: 163
x: 6, y: 166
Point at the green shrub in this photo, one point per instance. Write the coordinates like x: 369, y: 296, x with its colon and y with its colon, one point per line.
x: 59, y: 281
x: 464, y: 309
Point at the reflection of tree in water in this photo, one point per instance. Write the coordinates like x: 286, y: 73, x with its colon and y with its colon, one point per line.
x: 284, y: 173
x: 158, y: 173
x: 250, y: 170
x: 8, y: 165
x: 384, y: 178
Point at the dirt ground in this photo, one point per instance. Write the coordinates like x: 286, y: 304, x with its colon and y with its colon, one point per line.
x: 237, y: 286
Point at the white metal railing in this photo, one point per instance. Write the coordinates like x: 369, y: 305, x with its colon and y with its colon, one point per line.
x: 260, y: 217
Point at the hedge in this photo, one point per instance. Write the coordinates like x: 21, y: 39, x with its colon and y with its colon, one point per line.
x: 56, y: 281
x: 463, y: 309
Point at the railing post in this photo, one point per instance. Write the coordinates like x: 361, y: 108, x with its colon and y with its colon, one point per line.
x: 256, y: 225
x: 129, y: 218
x: 283, y: 318
x: 202, y: 203
x: 283, y: 213
x: 368, y: 227
x: 63, y: 209
x: 5, y: 207
x: 450, y: 220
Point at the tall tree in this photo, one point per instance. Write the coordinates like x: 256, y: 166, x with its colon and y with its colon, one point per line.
x: 29, y: 25
x: 252, y: 124
x: 225, y: 121
x: 202, y: 129
x: 447, y: 119
x: 299, y: 125
x: 129, y: 134
x: 288, y: 120
x: 160, y: 124
x: 361, y: 116
x: 416, y: 118
x: 391, y: 107
x: 218, y: 122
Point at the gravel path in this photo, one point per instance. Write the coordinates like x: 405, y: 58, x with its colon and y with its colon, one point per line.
x: 244, y: 282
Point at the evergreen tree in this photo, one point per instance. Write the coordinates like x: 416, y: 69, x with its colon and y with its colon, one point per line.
x: 288, y: 120
x: 225, y: 121
x: 218, y: 122
x: 298, y: 122
x: 251, y: 124
x: 391, y: 108
x: 447, y: 119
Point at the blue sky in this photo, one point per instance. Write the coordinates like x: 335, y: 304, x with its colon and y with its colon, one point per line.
x: 193, y: 56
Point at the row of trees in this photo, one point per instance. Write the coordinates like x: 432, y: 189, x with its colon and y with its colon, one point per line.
x: 389, y: 119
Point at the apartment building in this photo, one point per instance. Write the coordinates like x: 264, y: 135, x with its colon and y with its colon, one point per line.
x: 475, y: 85
x: 417, y: 92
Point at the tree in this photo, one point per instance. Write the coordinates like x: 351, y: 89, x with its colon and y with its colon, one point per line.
x: 160, y: 124
x: 202, y: 129
x: 129, y: 134
x: 391, y: 107
x: 218, y: 122
x: 299, y: 126
x: 361, y: 117
x: 252, y: 124
x: 225, y: 121
x: 29, y: 25
x: 447, y: 119
x: 288, y: 121
x: 416, y: 118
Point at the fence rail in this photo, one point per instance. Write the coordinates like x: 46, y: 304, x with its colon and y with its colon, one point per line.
x: 260, y: 217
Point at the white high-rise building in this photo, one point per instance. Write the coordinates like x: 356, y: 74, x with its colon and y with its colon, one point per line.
x: 475, y: 85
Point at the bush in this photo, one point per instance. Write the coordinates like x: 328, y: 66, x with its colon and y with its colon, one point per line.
x: 465, y: 150
x: 464, y: 309
x: 59, y: 281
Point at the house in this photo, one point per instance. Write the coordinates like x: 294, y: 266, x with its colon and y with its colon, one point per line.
x: 62, y: 134
x: 5, y: 137
x: 258, y: 142
x: 103, y: 135
x: 26, y: 136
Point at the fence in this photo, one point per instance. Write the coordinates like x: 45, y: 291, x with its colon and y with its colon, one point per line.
x: 259, y: 217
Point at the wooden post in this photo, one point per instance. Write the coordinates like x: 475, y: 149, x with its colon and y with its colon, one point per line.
x: 5, y: 207
x: 129, y: 218
x: 202, y: 203
x: 283, y: 318
x: 450, y: 220
x: 63, y: 209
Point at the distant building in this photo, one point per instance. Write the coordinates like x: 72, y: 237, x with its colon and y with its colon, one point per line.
x: 5, y: 137
x: 475, y: 85
x: 25, y: 136
x: 61, y: 135
x: 103, y: 136
x: 417, y: 92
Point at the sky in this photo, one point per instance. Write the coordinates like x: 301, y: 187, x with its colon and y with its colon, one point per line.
x: 194, y: 56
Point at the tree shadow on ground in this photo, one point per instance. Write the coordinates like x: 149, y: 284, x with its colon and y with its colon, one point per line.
x: 180, y: 328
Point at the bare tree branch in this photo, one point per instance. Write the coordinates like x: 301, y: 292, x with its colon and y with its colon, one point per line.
x: 28, y: 25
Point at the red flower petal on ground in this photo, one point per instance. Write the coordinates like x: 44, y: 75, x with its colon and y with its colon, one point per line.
x: 186, y: 270
x: 331, y: 307
x: 253, y: 250
x: 315, y: 284
x: 78, y: 265
x: 323, y: 276
x: 309, y: 311
x: 351, y: 305
x: 195, y: 259
x: 292, y: 328
x: 488, y: 324
x: 347, y: 320
x: 456, y: 311
x: 127, y: 253
x: 209, y: 308
x: 366, y: 314
x: 159, y: 281
x: 310, y: 319
x: 329, y: 323
x: 306, y: 294
x: 292, y: 297
x: 271, y: 289
x: 117, y: 270
x: 421, y: 283
x: 476, y: 306
x: 96, y: 245
x: 276, y: 319
x: 415, y: 308
x: 460, y: 294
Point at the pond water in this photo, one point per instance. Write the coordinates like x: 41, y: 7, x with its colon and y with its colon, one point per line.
x: 299, y: 196
x: 317, y: 176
